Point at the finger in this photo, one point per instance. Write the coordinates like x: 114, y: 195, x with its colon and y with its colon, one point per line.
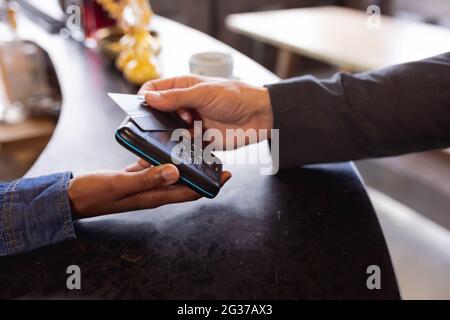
x: 170, y: 83
x: 176, y: 99
x: 156, y: 198
x: 134, y: 167
x: 159, y: 197
x: 226, y: 175
x: 185, y: 115
x: 128, y: 183
x: 139, y: 165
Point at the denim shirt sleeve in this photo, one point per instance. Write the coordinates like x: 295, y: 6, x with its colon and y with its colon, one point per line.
x: 34, y: 213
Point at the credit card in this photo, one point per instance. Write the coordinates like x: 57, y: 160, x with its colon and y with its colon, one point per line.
x: 147, y: 118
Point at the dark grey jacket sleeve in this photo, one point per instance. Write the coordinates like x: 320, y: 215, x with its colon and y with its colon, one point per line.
x: 400, y: 109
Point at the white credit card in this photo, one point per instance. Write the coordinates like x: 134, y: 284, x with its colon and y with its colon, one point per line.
x: 147, y: 118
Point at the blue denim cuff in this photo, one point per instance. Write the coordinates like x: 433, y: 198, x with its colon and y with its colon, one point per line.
x: 34, y: 213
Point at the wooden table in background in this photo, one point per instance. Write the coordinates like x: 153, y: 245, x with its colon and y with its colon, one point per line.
x: 341, y: 36
x: 30, y: 129
x: 21, y: 144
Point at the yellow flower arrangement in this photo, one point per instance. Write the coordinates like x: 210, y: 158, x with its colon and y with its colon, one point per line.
x: 137, y: 57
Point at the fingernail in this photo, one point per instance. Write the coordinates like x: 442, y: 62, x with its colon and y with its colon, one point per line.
x: 169, y: 173
x: 130, y: 167
x: 185, y: 116
x: 152, y: 96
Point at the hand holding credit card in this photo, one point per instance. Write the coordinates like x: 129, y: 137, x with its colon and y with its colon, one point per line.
x: 147, y: 132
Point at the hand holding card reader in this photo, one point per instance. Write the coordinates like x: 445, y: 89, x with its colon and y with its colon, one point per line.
x: 147, y: 133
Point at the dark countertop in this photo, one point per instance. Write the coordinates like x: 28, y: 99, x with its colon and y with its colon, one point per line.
x: 305, y: 233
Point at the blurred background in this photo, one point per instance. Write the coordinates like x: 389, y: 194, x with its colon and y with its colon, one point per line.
x: 411, y: 194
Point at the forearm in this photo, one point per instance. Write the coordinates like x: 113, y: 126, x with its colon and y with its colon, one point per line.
x: 397, y: 110
x: 34, y: 213
x: 39, y: 212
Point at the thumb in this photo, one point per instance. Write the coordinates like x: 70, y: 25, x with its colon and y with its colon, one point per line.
x: 174, y: 99
x: 148, y: 179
